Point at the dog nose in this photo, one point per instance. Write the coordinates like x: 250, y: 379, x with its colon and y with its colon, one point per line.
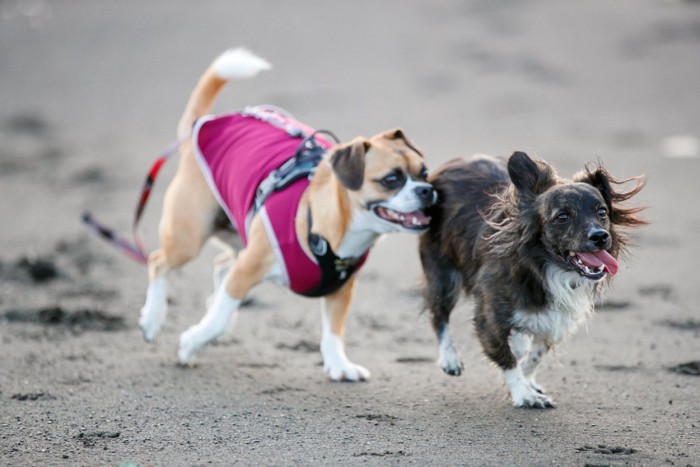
x: 599, y: 238
x: 426, y: 194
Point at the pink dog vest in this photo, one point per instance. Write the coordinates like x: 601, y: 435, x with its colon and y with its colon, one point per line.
x: 236, y: 152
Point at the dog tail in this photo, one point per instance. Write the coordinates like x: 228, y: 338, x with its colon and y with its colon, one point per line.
x: 237, y: 63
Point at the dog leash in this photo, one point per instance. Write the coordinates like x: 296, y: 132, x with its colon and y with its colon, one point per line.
x: 135, y: 250
x: 302, y: 164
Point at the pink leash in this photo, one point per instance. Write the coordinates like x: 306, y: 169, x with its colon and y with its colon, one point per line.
x: 135, y: 250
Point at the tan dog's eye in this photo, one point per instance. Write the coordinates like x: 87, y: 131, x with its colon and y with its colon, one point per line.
x: 394, y: 180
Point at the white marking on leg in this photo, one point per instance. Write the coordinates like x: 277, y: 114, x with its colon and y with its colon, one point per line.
x: 335, y: 362
x: 155, y: 308
x: 520, y: 344
x: 222, y: 265
x: 534, y: 357
x: 449, y: 358
x: 212, y: 325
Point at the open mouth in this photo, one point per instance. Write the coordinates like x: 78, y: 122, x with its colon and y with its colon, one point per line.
x: 592, y: 265
x: 415, y: 220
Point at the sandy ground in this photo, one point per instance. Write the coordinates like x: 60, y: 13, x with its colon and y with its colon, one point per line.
x: 92, y: 91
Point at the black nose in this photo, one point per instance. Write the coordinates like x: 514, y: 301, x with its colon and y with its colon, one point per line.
x: 599, y: 238
x: 426, y: 194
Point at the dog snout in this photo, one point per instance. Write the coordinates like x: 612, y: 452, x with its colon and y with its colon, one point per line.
x: 426, y: 194
x: 600, y: 238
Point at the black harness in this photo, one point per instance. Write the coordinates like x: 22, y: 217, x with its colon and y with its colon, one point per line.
x: 335, y: 271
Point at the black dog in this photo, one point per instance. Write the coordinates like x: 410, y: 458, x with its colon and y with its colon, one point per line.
x: 532, y: 250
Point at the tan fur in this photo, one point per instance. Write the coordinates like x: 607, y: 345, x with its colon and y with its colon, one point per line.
x: 351, y: 176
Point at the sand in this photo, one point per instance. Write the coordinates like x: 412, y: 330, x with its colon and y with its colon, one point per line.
x: 92, y: 91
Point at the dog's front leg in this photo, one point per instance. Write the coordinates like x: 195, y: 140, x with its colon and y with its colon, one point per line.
x: 214, y: 324
x: 252, y: 265
x: 527, y: 351
x: 532, y: 361
x: 334, y: 309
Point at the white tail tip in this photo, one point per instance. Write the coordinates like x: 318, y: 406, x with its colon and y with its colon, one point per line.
x: 239, y: 63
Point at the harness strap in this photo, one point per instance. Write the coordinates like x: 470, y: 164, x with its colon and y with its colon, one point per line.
x: 135, y: 250
x: 335, y: 271
x: 302, y: 164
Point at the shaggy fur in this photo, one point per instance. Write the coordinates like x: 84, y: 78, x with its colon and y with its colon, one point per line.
x: 533, y: 250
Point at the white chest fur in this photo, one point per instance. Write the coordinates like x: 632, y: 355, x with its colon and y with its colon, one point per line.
x: 570, y: 304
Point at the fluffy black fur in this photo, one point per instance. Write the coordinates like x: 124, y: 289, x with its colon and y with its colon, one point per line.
x: 511, y: 234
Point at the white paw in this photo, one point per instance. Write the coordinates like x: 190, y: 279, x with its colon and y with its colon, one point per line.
x: 449, y: 360
x: 346, y: 371
x: 533, y: 400
x: 337, y: 364
x: 149, y: 326
x: 535, y: 387
x: 190, y: 343
x: 154, y: 310
x: 524, y: 392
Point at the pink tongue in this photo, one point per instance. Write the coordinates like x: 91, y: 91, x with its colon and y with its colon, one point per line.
x: 599, y: 258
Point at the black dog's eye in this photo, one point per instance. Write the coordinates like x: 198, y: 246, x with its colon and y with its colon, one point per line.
x: 394, y: 180
x: 562, y: 218
x: 424, y: 173
x: 602, y: 213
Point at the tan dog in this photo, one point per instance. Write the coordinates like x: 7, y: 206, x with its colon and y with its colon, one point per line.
x: 361, y: 190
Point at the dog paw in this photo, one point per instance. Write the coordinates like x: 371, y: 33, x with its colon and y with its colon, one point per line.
x: 337, y: 364
x: 451, y: 366
x: 149, y: 326
x: 190, y: 344
x: 154, y: 310
x: 536, y: 387
x: 534, y: 400
x: 449, y: 359
x: 347, y: 371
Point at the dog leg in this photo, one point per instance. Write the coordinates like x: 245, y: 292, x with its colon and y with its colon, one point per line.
x: 334, y: 309
x: 214, y: 324
x: 534, y: 358
x: 186, y: 223
x: 252, y: 265
x: 222, y: 265
x: 523, y: 390
x: 442, y: 288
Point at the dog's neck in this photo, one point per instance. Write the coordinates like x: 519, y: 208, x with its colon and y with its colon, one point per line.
x: 570, y: 293
x: 333, y: 216
x: 359, y: 237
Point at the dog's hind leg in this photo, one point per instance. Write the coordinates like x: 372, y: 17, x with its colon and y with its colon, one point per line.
x: 442, y: 289
x: 188, y: 212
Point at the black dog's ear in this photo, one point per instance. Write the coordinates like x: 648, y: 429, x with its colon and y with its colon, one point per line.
x: 605, y: 183
x: 348, y: 161
x: 529, y: 177
x: 599, y: 179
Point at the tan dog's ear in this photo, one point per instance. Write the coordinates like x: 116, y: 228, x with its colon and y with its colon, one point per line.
x: 348, y: 163
x: 398, y: 133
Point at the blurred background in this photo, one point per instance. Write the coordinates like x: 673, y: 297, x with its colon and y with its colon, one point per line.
x: 92, y: 91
